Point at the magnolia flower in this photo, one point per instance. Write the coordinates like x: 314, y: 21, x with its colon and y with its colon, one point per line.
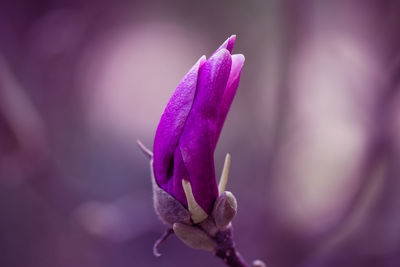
x: 185, y: 192
x: 190, y: 127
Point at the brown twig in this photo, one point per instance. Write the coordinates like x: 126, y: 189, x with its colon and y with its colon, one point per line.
x: 227, y: 251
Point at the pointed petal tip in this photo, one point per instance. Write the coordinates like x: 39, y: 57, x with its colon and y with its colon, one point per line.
x: 232, y: 38
x: 228, y: 44
x: 202, y: 59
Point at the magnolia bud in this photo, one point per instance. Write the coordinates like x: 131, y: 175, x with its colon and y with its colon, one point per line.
x: 225, y: 208
x: 194, y: 237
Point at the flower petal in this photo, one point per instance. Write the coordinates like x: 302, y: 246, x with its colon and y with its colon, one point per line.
x: 228, y: 44
x: 171, y: 124
x: 197, y: 142
x: 174, y: 187
x: 230, y: 91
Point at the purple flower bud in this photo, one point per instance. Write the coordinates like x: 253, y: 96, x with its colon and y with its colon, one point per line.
x: 191, y: 124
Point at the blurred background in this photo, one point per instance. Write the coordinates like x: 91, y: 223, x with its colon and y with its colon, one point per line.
x: 314, y: 130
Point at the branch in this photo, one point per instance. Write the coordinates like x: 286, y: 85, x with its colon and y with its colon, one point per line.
x: 227, y: 251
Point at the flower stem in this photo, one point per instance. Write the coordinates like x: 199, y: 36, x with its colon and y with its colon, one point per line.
x: 227, y: 251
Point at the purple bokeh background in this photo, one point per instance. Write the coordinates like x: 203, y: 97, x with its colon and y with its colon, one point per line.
x: 314, y: 130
